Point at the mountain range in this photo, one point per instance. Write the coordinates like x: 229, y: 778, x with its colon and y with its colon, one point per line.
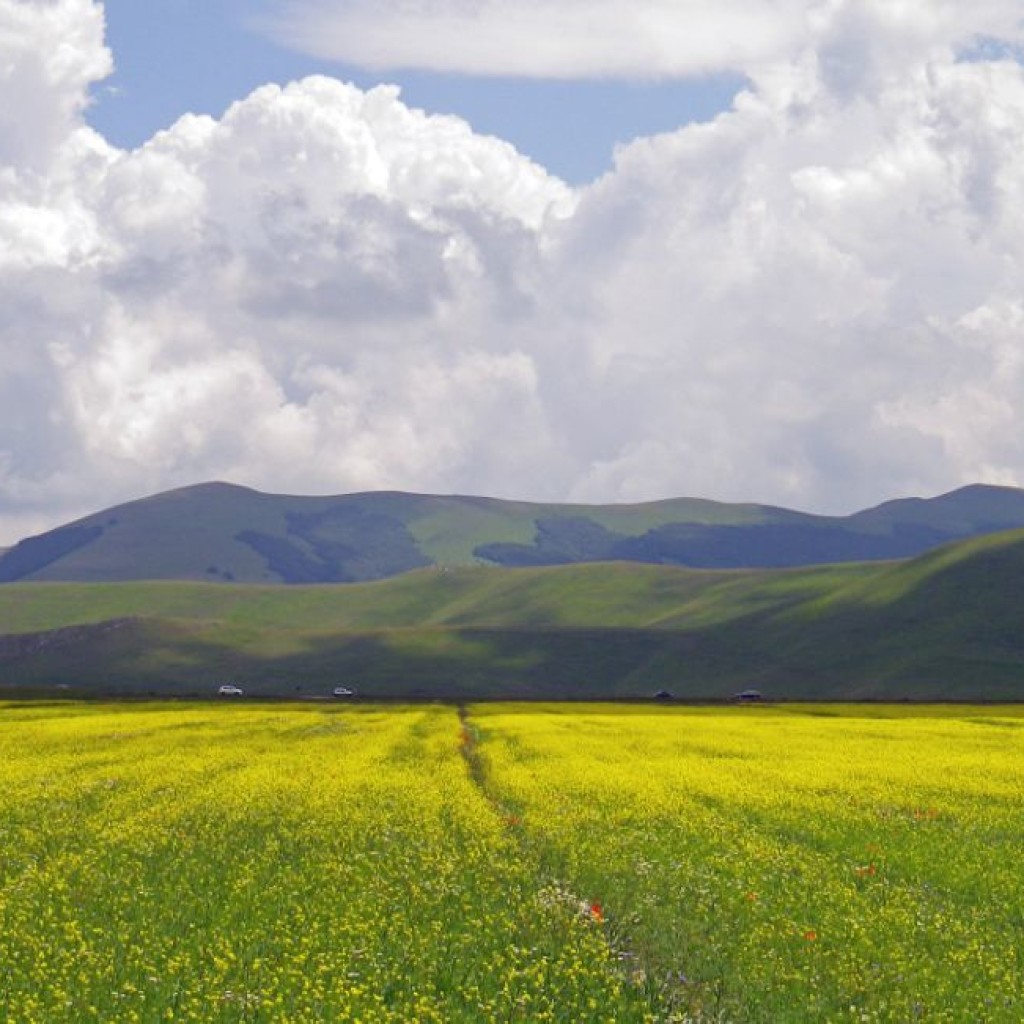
x: 405, y: 596
x: 223, y: 533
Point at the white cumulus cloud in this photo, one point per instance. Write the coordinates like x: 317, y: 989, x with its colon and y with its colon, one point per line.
x: 50, y: 51
x: 815, y: 300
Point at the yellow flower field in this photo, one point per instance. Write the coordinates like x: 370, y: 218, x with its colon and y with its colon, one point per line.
x: 799, y: 864
x: 518, y: 863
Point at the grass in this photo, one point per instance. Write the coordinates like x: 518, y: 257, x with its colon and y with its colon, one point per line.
x: 619, y: 595
x: 522, y: 863
x: 946, y: 625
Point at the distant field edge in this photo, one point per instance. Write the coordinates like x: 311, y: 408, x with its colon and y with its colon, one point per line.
x: 40, y: 697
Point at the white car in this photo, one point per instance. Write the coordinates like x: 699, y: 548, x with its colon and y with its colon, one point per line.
x: 342, y: 691
x: 230, y: 691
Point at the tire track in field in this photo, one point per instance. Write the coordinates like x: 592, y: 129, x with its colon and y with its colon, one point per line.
x: 664, y: 997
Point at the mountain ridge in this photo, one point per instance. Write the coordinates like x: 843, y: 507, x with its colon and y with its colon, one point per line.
x: 218, y: 531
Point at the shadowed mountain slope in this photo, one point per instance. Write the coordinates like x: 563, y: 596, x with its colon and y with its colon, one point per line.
x: 946, y: 625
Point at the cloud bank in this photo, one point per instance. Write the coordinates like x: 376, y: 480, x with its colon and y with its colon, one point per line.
x: 569, y: 39
x: 815, y: 300
x: 614, y: 38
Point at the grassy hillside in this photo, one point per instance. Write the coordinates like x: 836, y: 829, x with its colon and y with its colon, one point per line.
x: 576, y: 596
x: 946, y: 625
x: 221, y: 533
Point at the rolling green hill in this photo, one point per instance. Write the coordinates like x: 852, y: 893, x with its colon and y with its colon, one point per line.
x: 945, y: 625
x: 223, y: 533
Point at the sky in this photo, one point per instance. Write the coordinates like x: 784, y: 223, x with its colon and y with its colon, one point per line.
x: 178, y: 56
x: 596, y: 251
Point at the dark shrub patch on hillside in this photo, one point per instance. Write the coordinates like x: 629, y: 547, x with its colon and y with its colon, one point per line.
x: 357, y: 544
x: 561, y: 541
x: 340, y: 545
x: 772, y: 545
x: 284, y: 559
x: 558, y: 541
x: 35, y: 553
